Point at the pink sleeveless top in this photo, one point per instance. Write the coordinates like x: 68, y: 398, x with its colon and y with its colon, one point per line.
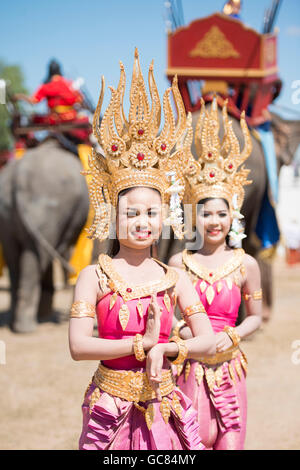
x: 109, y: 324
x: 220, y: 295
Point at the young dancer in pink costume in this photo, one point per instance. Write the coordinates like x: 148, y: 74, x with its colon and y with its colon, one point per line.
x: 221, y: 275
x: 132, y: 402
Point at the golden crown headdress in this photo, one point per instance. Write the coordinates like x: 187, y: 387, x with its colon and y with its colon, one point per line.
x: 217, y: 171
x: 134, y: 153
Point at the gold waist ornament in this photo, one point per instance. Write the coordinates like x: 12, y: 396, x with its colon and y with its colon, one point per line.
x: 62, y: 109
x: 135, y: 387
x: 234, y: 357
x: 131, y: 386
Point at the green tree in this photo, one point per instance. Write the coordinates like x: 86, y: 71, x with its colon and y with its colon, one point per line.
x: 13, y: 76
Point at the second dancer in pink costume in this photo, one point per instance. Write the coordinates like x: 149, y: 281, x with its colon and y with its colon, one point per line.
x: 221, y: 275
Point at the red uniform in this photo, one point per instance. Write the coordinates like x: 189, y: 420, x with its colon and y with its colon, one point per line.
x: 61, y: 98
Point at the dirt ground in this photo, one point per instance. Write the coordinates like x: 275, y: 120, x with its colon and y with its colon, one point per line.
x: 42, y: 387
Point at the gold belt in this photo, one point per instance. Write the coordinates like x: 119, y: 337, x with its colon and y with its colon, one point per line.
x: 62, y: 109
x: 224, y: 356
x: 131, y: 386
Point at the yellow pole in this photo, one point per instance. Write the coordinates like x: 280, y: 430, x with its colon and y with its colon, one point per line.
x: 83, y: 250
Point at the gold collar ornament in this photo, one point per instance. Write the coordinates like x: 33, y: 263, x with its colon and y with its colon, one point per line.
x: 120, y: 287
x: 217, y: 171
x: 134, y: 154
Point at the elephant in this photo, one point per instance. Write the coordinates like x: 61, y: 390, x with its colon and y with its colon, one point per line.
x: 287, y: 138
x: 44, y: 204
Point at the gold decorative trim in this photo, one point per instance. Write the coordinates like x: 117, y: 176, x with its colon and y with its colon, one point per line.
x: 214, y: 44
x: 222, y: 16
x: 180, y: 324
x: 199, y: 373
x: 94, y: 398
x: 256, y: 295
x: 131, y: 386
x: 237, y: 366
x: 182, y: 350
x: 193, y: 309
x: 119, y: 285
x: 198, y: 72
x: 213, y: 275
x: 138, y: 348
x: 165, y: 409
x: 149, y: 415
x: 124, y: 314
x: 176, y: 405
x: 82, y: 309
x: 187, y: 370
x: 233, y: 335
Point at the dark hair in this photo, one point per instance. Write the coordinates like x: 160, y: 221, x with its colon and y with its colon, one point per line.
x: 115, y: 244
x: 203, y: 201
x: 53, y: 69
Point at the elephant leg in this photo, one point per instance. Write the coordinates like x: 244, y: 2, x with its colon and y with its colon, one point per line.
x: 47, y: 292
x: 11, y: 253
x: 28, y: 295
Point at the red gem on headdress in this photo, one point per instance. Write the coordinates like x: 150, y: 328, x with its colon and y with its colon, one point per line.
x: 140, y: 156
x: 129, y: 289
x: 140, y: 131
x: 230, y: 166
x: 163, y: 146
x: 211, y: 274
x: 211, y: 174
x: 209, y: 154
x: 114, y: 148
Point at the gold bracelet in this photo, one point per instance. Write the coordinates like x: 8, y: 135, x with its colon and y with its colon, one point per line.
x: 257, y: 295
x: 233, y: 335
x: 81, y: 309
x: 182, y: 350
x: 193, y: 309
x: 138, y: 348
x: 180, y: 324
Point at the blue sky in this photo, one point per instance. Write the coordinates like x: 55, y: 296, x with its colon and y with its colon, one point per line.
x: 90, y: 37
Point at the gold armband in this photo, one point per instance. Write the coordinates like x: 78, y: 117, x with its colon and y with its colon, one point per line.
x: 193, y: 309
x: 257, y: 295
x: 182, y: 350
x: 180, y: 324
x: 81, y: 309
x: 138, y: 348
x: 233, y: 335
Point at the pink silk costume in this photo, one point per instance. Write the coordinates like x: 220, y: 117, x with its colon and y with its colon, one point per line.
x: 218, y: 392
x: 114, y: 423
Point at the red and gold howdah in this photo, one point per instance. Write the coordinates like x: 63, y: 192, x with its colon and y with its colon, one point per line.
x: 224, y: 52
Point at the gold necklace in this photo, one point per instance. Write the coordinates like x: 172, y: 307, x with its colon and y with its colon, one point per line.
x: 213, y: 275
x: 210, y: 276
x: 119, y: 286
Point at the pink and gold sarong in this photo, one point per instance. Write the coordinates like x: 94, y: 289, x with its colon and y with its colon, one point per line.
x: 111, y: 422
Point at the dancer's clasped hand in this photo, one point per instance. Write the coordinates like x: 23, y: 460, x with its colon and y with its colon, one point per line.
x: 154, y: 364
x: 155, y: 354
x: 223, y: 341
x: 151, y: 335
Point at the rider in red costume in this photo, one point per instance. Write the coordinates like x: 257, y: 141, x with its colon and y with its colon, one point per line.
x: 62, y: 99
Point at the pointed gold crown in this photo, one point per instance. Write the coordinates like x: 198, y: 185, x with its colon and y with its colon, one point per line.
x: 217, y: 171
x: 134, y: 155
